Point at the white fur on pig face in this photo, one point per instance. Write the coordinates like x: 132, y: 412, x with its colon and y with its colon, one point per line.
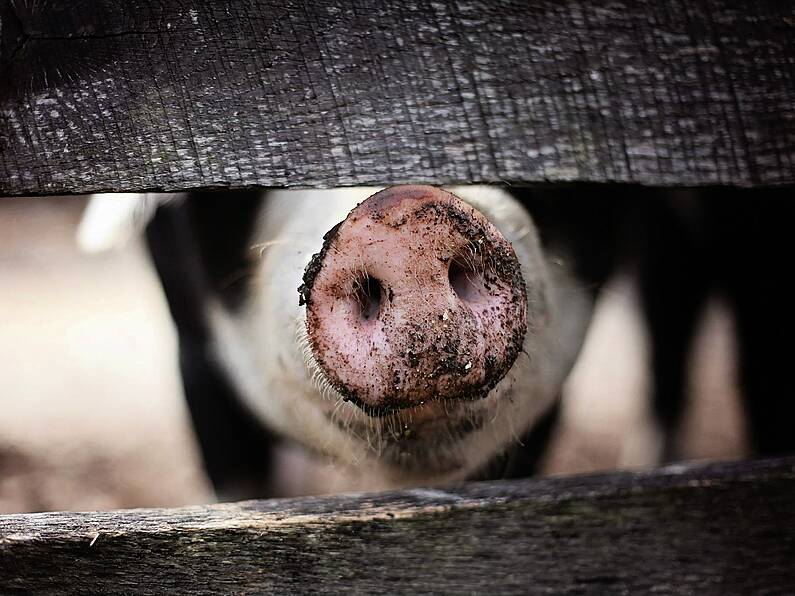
x: 266, y: 350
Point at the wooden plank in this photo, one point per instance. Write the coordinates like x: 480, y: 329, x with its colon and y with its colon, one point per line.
x: 133, y: 95
x: 720, y: 529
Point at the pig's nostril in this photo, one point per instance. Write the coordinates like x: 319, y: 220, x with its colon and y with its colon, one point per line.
x: 465, y: 279
x: 367, y: 293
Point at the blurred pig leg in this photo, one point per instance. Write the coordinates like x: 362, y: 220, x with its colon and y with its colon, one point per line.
x: 756, y: 242
x: 674, y: 286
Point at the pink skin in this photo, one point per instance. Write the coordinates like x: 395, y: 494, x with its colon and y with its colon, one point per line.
x: 415, y: 298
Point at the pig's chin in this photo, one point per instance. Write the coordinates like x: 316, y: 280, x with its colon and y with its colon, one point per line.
x: 426, y: 440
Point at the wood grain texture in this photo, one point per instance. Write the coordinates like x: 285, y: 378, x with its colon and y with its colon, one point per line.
x: 715, y: 529
x: 132, y: 95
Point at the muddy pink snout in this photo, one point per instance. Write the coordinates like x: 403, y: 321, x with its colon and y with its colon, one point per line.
x: 414, y: 297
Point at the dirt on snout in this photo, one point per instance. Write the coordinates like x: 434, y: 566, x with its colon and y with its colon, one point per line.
x: 415, y: 297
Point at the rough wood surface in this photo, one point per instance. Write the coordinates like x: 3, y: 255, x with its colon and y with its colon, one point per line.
x: 715, y: 529
x: 133, y: 95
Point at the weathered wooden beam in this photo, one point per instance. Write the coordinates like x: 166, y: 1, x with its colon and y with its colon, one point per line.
x: 718, y: 529
x: 133, y: 94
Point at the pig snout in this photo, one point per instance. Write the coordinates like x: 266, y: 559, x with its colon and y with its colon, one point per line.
x: 415, y: 297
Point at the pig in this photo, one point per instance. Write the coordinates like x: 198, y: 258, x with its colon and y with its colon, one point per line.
x: 412, y: 335
x: 417, y: 335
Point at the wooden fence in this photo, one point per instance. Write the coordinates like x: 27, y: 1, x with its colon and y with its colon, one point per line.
x: 717, y: 529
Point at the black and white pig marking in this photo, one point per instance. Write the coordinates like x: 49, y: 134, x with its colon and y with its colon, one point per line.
x: 411, y: 339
